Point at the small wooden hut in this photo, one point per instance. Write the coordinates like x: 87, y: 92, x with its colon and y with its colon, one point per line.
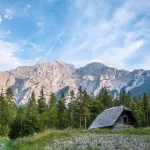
x: 115, y: 118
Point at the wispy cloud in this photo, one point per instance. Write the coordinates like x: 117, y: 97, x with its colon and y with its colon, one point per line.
x: 40, y: 24
x: 116, y: 33
x: 8, y: 59
x: 116, y: 56
x: 33, y: 46
x: 4, y: 33
x: 110, y: 36
x: 27, y: 8
x: 8, y: 14
x: 8, y: 50
x: 1, y: 19
x: 49, y: 51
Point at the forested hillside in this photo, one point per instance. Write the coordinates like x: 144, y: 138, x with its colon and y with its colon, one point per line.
x: 79, y: 113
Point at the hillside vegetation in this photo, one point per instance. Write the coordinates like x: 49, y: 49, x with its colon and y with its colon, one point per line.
x: 38, y: 115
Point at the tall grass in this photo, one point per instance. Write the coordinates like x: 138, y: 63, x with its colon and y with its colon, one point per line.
x: 3, y: 139
x: 127, y: 131
x: 48, y: 137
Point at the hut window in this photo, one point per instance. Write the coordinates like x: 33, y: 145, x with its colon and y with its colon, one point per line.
x: 125, y: 120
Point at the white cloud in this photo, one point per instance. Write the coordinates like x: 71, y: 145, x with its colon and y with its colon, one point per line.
x: 105, y: 35
x: 58, y: 39
x: 27, y: 8
x: 4, y: 33
x: 116, y: 56
x: 1, y: 19
x: 40, y: 24
x: 105, y: 32
x: 32, y: 45
x: 8, y: 60
x: 8, y: 14
x: 123, y: 16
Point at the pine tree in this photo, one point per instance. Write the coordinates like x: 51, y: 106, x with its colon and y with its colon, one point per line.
x: 17, y: 128
x: 10, y: 95
x: 33, y: 98
x: 42, y: 106
x: 79, y: 105
x: 63, y: 97
x: 62, y: 115
x: 146, y: 106
x: 4, y: 117
x: 52, y: 111
x: 96, y: 107
x: 123, y: 97
x: 139, y: 113
x: 71, y: 108
x: 42, y: 110
x: 7, y: 114
x: 85, y: 108
x: 1, y: 108
x: 100, y: 95
x: 11, y: 102
x: 106, y: 99
x: 52, y: 101
x: 32, y: 116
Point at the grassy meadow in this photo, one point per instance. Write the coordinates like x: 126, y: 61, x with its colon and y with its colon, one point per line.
x: 81, y: 139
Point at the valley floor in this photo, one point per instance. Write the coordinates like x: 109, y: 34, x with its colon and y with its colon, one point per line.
x: 99, y: 139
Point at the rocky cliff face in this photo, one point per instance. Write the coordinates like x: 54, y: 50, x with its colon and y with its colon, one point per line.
x: 59, y: 76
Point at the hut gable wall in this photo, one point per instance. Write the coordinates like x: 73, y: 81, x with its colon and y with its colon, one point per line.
x: 130, y: 119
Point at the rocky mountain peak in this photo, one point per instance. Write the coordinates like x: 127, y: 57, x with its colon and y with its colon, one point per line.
x: 58, y: 76
x: 41, y: 62
x: 94, y: 65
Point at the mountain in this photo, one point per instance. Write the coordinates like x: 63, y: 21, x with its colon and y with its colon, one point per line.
x: 59, y: 76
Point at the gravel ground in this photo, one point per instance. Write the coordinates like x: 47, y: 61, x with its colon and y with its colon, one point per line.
x: 102, y: 142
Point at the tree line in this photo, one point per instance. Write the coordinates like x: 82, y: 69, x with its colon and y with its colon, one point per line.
x: 82, y: 109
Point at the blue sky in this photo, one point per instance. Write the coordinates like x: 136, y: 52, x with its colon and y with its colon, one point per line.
x: 113, y: 32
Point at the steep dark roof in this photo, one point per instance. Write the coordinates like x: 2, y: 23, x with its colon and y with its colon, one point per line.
x: 108, y: 117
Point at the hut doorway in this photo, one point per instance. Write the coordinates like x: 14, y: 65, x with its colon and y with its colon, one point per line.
x: 125, y: 120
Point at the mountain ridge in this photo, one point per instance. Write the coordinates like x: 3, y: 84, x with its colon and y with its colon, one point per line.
x: 58, y: 75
